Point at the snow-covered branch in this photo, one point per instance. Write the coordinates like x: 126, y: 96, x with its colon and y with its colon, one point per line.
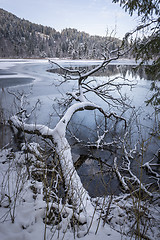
x: 127, y: 167
x: 149, y: 167
x: 82, y: 75
x: 120, y: 177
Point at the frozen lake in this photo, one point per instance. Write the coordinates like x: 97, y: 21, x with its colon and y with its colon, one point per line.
x: 32, y: 77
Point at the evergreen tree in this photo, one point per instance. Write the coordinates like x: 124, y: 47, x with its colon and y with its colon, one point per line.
x: 147, y: 47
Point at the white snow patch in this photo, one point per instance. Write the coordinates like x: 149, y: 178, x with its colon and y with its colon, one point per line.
x: 29, y: 211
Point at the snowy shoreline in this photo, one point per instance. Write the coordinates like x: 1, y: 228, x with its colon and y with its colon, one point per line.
x: 30, y: 209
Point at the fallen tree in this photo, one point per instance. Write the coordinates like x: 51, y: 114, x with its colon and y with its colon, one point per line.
x: 75, y: 191
x: 75, y: 194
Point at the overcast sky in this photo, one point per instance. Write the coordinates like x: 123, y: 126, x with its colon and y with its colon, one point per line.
x: 91, y: 16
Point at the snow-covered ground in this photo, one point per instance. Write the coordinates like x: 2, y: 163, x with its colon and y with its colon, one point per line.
x: 23, y: 209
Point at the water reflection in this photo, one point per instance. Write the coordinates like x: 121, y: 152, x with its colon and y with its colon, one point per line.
x: 90, y: 167
x: 96, y: 178
x: 109, y: 70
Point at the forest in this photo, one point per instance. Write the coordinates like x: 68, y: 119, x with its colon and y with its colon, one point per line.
x: 20, y: 38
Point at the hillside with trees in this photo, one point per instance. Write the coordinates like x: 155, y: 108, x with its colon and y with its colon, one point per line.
x: 20, y: 38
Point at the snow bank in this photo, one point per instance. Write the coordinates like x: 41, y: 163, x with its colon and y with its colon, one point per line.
x: 22, y: 210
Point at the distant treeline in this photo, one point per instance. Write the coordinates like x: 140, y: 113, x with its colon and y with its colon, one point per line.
x: 20, y: 38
